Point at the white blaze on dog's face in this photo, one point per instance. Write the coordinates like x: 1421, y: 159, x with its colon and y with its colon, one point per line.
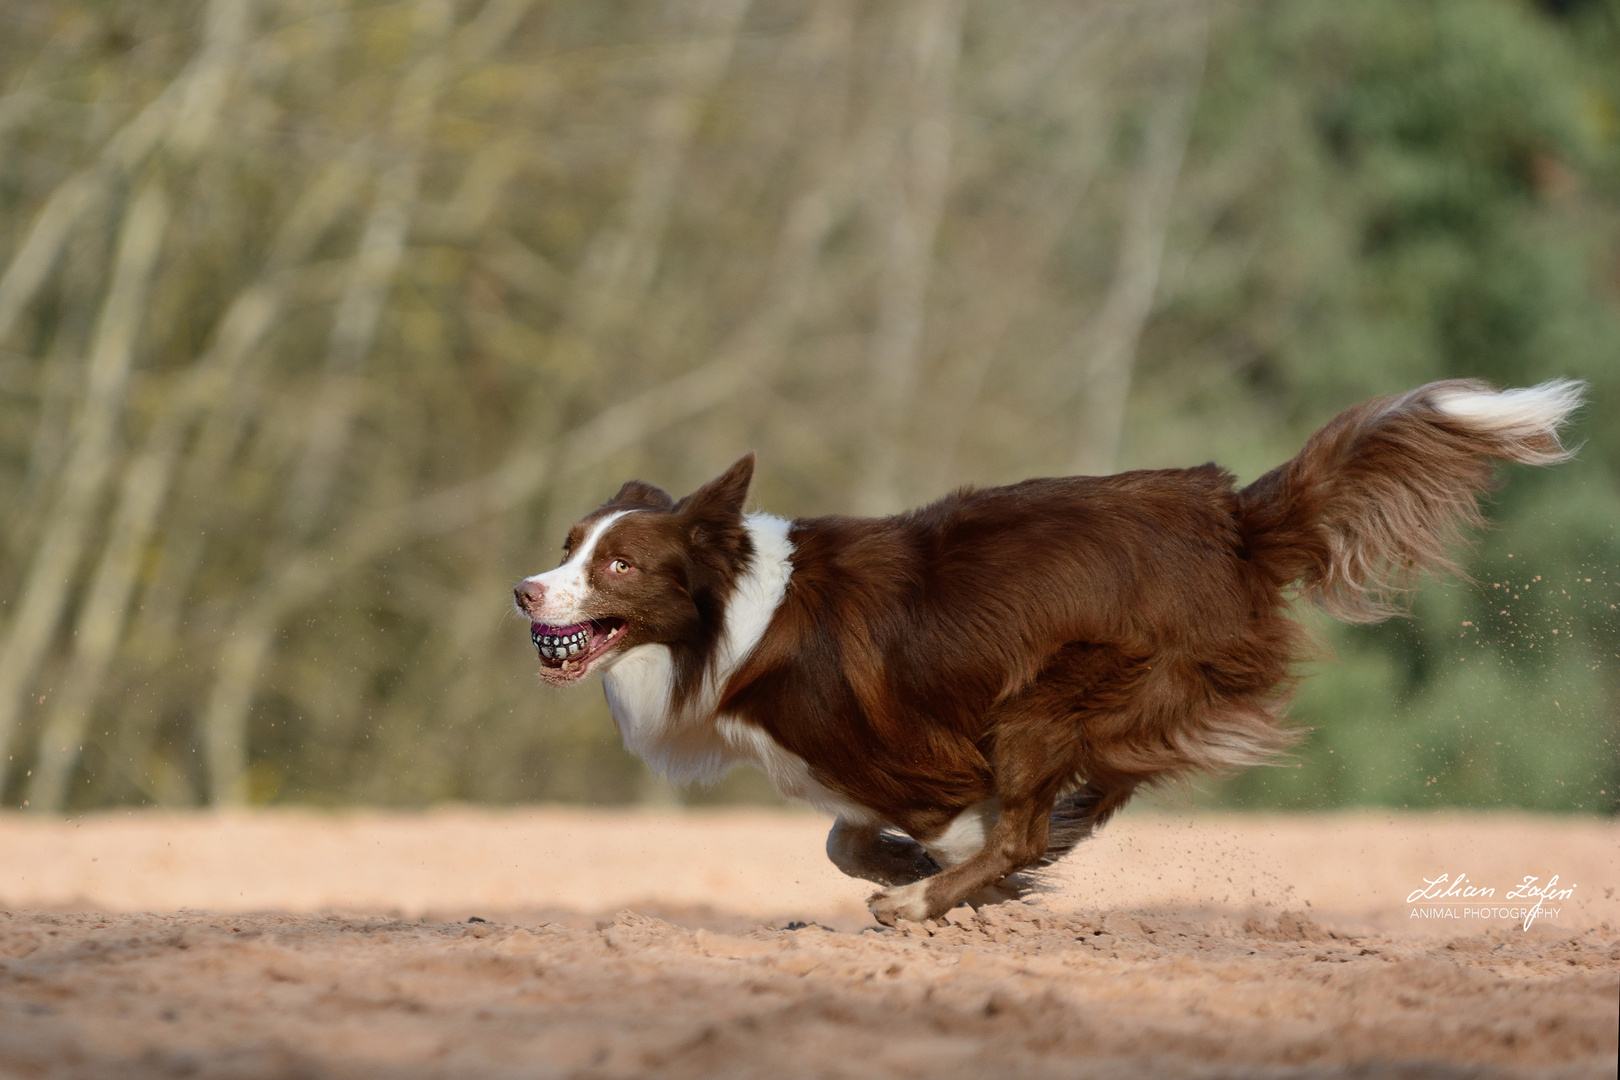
x: 641, y: 569
x: 568, y: 586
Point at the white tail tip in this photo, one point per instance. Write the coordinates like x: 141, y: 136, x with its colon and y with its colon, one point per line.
x: 1533, y: 412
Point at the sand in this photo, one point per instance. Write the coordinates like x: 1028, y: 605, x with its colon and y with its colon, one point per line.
x: 721, y: 943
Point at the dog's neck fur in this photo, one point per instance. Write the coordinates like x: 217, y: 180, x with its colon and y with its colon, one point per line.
x: 683, y: 742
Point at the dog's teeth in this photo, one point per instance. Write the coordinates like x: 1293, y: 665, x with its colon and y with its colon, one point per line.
x: 563, y: 646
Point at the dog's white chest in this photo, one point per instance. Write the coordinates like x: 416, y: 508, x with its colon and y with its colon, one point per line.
x: 696, y: 743
x: 683, y: 748
x: 703, y: 748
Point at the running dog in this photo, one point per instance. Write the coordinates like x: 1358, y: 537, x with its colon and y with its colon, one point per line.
x: 974, y: 686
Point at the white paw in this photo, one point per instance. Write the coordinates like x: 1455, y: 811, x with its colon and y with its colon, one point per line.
x: 905, y: 902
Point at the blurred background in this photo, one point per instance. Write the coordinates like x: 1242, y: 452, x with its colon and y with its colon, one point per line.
x: 320, y: 321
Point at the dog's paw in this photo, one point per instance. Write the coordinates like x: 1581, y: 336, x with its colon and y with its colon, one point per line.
x: 905, y: 902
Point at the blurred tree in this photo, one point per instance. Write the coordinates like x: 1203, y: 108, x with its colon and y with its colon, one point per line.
x: 319, y: 321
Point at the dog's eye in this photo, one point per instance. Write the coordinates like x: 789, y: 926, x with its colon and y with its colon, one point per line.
x: 619, y: 566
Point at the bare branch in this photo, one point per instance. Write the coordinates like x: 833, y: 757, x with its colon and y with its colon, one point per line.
x: 624, y: 255
x: 1107, y: 349
x: 185, y: 112
x: 914, y: 203
x: 45, y: 590
x: 382, y: 245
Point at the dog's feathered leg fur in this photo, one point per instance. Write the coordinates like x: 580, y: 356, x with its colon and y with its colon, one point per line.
x: 1078, y: 815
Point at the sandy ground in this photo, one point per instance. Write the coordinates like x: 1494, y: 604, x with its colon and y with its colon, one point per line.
x: 699, y: 944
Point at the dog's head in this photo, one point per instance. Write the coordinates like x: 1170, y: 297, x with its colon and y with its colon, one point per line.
x: 641, y: 569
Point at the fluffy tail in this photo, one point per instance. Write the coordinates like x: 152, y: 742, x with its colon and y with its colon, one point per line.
x: 1378, y: 495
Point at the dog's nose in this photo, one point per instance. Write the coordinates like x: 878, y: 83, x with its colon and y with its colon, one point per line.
x: 530, y: 595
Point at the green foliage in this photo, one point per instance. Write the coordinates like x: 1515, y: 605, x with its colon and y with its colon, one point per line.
x: 1438, y: 201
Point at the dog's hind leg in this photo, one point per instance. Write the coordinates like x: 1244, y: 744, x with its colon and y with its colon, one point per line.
x: 1027, y: 785
x: 1018, y: 839
x: 1038, y: 743
x: 1033, y: 830
x: 875, y: 854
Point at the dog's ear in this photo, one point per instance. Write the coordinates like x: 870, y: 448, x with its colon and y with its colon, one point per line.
x: 719, y: 502
x: 639, y: 491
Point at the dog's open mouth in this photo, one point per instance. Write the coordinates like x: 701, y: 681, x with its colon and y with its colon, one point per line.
x: 566, y: 652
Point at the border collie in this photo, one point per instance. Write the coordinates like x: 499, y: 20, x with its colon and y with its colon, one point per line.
x: 974, y: 686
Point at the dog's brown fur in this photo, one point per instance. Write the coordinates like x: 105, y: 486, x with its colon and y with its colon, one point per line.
x: 1056, y: 644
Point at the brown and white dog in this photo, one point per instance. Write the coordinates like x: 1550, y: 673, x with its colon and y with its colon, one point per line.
x: 993, y: 675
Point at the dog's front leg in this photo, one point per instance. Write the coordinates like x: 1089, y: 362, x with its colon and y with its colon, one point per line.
x: 873, y: 854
